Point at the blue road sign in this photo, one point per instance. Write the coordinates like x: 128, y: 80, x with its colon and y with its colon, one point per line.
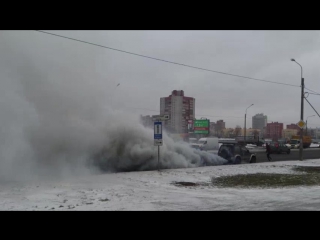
x: 157, y: 130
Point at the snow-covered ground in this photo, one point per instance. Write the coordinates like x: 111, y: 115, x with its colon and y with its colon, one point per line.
x: 153, y: 190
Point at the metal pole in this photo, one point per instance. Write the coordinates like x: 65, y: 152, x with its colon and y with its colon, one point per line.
x: 245, y: 125
x: 245, y: 128
x: 158, y: 157
x: 301, y: 131
x: 307, y: 127
x: 302, y: 98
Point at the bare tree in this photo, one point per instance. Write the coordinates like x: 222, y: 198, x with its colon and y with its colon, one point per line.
x: 230, y: 132
x: 237, y: 131
x: 255, y: 134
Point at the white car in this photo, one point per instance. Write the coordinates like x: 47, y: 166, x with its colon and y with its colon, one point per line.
x: 250, y: 146
x: 196, y: 146
x: 288, y: 145
x: 314, y: 145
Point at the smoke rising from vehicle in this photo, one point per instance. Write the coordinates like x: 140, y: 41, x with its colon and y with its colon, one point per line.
x: 45, y: 133
x: 55, y: 123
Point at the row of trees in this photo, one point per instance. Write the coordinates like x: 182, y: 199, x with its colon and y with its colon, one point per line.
x: 232, y: 132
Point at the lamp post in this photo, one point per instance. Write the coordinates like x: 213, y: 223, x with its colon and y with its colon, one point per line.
x: 245, y: 125
x: 301, y: 112
x: 307, y: 124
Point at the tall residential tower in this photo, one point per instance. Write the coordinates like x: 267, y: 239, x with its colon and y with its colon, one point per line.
x: 180, y: 109
x: 259, y: 121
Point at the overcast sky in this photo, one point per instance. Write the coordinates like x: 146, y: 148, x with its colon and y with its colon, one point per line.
x: 92, y: 73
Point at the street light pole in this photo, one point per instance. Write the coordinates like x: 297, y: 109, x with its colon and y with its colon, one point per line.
x: 301, y: 112
x: 307, y: 124
x: 245, y: 126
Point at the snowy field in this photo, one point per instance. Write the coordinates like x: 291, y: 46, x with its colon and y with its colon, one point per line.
x: 155, y: 191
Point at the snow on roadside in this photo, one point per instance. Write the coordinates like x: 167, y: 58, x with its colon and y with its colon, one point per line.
x: 153, y: 190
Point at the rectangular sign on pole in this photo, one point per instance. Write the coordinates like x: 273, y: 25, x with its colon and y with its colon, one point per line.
x: 158, y: 130
x: 157, y: 118
x: 158, y: 142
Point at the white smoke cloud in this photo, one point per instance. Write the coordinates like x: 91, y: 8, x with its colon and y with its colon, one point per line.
x: 40, y: 138
x: 55, y: 123
x: 130, y: 146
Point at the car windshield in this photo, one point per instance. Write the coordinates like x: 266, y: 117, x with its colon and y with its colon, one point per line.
x: 202, y: 141
x: 244, y: 149
x: 195, y: 146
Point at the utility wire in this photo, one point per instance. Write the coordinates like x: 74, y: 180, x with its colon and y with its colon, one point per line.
x: 312, y: 106
x: 158, y: 59
x: 200, y: 115
x: 204, y: 115
x: 311, y: 90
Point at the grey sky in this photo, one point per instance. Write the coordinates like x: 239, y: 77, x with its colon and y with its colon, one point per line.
x: 89, y: 74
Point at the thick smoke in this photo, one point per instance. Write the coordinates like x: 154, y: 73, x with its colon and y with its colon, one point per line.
x: 55, y: 123
x: 129, y: 147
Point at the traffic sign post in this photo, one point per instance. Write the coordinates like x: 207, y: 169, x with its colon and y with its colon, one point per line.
x: 158, y: 132
x: 158, y: 137
x: 158, y: 142
x: 301, y: 124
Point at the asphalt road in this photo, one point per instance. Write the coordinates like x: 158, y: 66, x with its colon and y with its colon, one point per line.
x: 308, y: 153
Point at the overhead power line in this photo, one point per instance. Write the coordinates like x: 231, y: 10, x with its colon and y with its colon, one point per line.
x: 313, y: 92
x: 204, y: 115
x: 158, y: 59
x: 312, y: 106
x: 200, y: 115
x: 225, y: 117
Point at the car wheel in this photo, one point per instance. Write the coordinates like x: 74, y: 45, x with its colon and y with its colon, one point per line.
x: 253, y: 160
x: 237, y: 160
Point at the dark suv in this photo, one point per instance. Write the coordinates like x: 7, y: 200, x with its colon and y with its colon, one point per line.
x: 279, y: 148
x: 236, y: 153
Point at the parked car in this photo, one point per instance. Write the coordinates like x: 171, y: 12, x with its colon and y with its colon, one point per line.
x: 250, y: 146
x: 236, y: 153
x: 193, y: 140
x: 279, y: 148
x: 314, y: 145
x: 265, y: 144
x: 209, y: 144
x: 195, y: 146
x: 288, y: 145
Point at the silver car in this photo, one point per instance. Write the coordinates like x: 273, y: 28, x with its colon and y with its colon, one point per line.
x: 236, y: 154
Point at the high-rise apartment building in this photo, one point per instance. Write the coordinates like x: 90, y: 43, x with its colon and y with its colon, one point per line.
x: 259, y: 121
x: 180, y: 109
